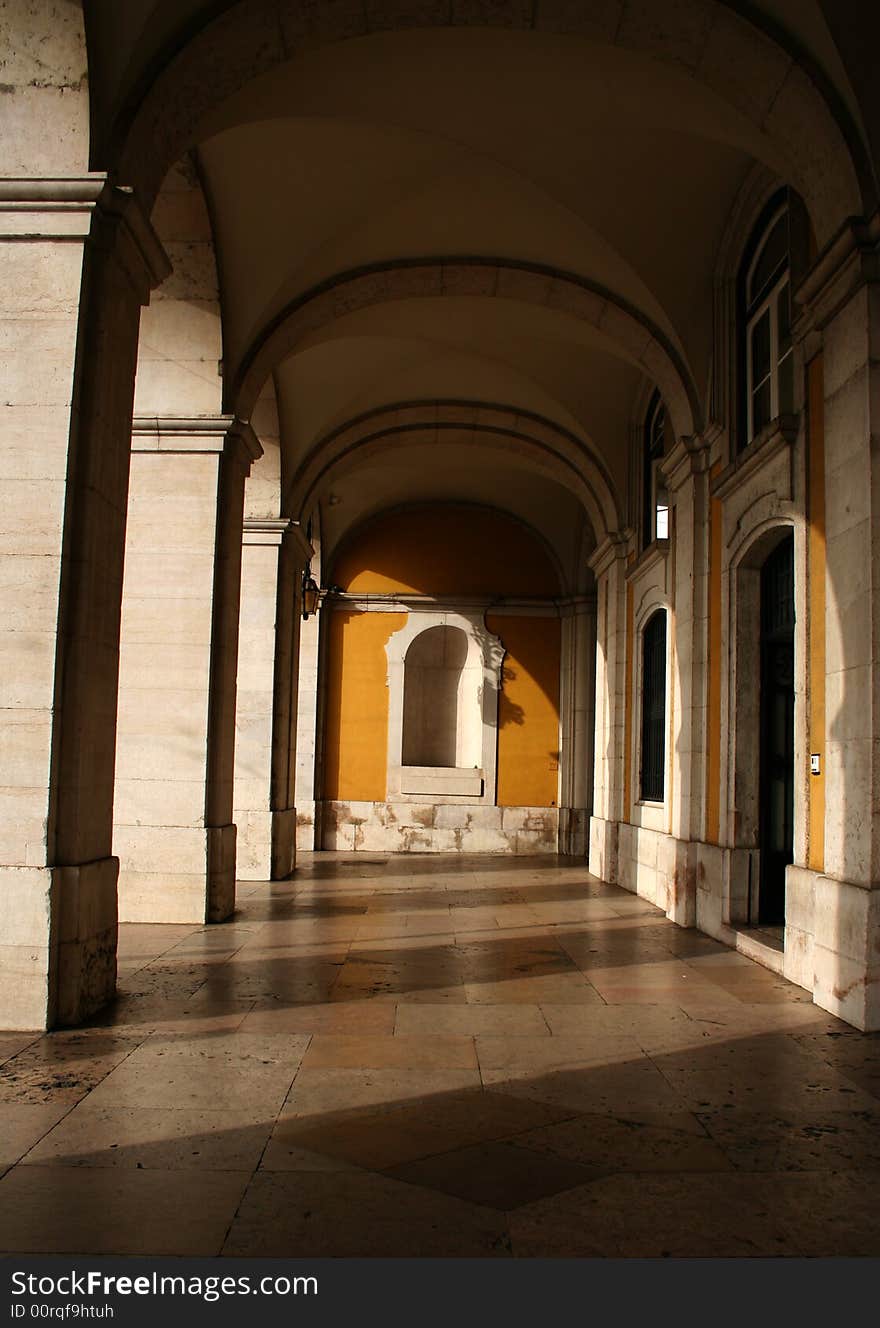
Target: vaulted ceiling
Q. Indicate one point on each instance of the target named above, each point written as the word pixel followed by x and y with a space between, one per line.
pixel 603 169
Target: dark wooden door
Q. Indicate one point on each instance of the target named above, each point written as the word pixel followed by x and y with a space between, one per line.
pixel 777 729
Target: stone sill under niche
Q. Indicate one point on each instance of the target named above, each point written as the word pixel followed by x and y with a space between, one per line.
pixel 440 781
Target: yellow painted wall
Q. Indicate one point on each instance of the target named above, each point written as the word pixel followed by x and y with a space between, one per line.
pixel 356 717
pixel 816 564
pixel 528 711
pixel 713 704
pixel 445 549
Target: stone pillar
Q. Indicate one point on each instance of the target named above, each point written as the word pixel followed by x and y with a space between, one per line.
pixel 842 300
pixel 274 552
pixel 687 478
pixel 78 260
pixel 578 717
pixel 175 751
pixel 609 566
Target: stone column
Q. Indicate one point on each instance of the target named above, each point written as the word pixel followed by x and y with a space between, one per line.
pixel 609 566
pixel 274 552
pixel 842 299
pixel 687 478
pixel 175 752
pixel 578 718
pixel 78 260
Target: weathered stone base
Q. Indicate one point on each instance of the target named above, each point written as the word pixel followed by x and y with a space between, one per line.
pixel 306 836
pixel 26 952
pixel 86 977
pixel 283 856
pixel 603 849
pixel 59 977
pixel 253 845
pixel 574 832
pixel 846 952
pixel 220 903
pixel 660 868
pixel 404 827
pixel 192 876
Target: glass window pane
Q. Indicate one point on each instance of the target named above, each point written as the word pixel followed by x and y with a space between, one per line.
pixel 760 349
pixel 772 257
pixel 662 521
pixel 761 408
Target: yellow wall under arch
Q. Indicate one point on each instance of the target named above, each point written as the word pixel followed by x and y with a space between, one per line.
pixel 443 549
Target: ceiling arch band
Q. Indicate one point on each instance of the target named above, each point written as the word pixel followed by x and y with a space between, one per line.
pixel 629 331
pixel 786 99
pixel 547 446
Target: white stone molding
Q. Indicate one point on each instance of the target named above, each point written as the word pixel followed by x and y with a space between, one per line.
pixel 485 656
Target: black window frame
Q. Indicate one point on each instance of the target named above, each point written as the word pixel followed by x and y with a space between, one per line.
pixel 653 450
pixel 652 753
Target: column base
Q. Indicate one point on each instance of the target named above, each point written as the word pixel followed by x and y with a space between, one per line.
pixel 603 849
pixel 283 832
pixel 846 959
pixel 574 832
pixel 191 874
pixel 58 955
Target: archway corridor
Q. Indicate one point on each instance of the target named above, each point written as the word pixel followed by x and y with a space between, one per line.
pixel 441 1055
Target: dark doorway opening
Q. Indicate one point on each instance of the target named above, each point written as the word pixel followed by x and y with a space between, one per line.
pixel 776 821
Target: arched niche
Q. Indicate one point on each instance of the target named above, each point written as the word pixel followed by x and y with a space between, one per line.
pixel 444 676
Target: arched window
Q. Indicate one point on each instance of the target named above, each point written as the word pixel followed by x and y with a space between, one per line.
pixel 765 351
pixel 655 509
pixel 653 753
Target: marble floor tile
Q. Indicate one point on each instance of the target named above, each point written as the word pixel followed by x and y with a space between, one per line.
pixel 512 1020
pixel 151 1138
pixel 406 1051
pixel 348 1017
pixel 353 1214
pixel 23 1126
pixel 110 1211
pixel 608 1144
pixel 442 1056
pixel 383 1135
pixel 315 1092
pixel 498 1174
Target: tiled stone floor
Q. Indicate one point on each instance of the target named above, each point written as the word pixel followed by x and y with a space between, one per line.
pixel 437 1056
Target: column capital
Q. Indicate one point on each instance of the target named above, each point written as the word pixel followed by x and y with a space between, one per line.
pixel 169 433
pixel 79 208
pixel 242 445
pixel 688 456
pixel 613 547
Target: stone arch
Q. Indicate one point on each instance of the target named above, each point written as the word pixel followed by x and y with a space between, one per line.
pixel 552 448
pixel 786 97
pixel 637 337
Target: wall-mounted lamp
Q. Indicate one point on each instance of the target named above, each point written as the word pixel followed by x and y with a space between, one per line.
pixel 310 594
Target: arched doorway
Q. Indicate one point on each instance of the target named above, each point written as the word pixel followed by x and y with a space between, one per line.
pixel 776 790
